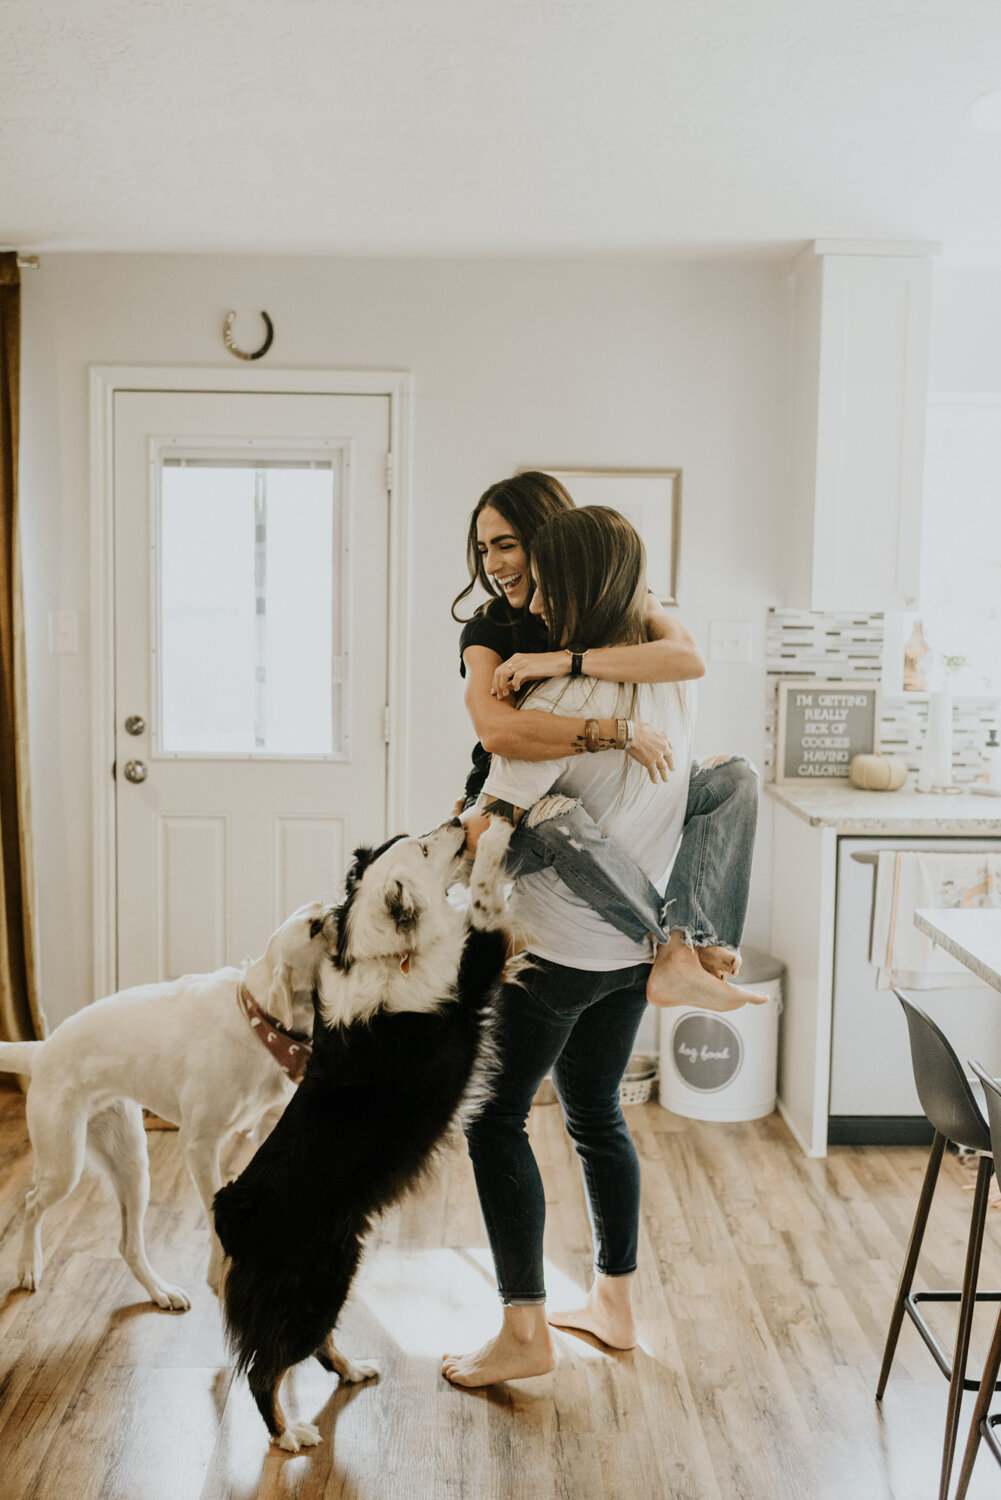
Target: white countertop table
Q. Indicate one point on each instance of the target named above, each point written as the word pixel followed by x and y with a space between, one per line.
pixel 907 812
pixel 971 934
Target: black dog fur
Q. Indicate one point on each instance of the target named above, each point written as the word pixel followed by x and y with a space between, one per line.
pixel 377 1100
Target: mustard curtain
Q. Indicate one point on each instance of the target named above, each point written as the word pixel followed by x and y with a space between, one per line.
pixel 21 1016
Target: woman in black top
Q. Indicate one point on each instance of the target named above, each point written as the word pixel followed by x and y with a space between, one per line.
pixel 699 923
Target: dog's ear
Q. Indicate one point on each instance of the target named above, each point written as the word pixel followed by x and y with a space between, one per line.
pixel 279 1001
pixel 403 907
pixel 360 862
pixel 338 932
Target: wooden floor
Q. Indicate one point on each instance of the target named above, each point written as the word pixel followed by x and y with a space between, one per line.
pixel 764 1290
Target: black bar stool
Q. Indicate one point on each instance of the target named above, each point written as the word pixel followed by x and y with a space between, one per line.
pixel 983 1425
pixel 952 1109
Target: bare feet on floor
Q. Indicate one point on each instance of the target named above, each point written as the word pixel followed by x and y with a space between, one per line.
pixel 608 1313
pixel 678 978
pixel 524 1347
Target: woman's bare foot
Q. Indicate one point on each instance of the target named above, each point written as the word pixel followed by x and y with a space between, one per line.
pixel 523 1347
pixel 608 1313
pixel 722 962
pixel 677 978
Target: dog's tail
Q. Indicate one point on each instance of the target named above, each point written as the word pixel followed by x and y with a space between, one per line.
pixel 269 1315
pixel 18 1057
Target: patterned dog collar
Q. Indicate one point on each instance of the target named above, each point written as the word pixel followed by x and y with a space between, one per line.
pixel 290 1052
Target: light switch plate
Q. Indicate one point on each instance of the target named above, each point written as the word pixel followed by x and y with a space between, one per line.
pixel 729 640
pixel 64 630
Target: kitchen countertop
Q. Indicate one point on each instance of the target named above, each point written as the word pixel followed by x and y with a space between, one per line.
pixel 973 935
pixel 839 805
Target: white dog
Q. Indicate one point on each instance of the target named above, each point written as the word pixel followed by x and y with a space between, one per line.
pixel 195 1051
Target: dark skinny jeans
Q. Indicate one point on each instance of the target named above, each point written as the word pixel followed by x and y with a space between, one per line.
pixel 580 1026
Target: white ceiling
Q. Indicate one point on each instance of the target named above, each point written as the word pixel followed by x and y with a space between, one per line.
pixel 496 126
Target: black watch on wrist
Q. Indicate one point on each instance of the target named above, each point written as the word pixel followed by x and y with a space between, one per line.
pixel 576 662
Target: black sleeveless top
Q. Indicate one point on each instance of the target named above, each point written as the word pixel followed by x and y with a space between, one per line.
pixel 502 630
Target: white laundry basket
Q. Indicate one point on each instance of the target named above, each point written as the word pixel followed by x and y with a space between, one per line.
pixel 723 1066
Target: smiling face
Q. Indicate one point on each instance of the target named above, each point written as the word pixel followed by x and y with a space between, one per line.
pixel 503 555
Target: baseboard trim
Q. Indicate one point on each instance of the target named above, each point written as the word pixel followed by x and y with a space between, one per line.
pixel 879 1130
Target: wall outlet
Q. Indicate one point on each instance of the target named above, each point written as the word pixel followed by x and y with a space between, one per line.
pixel 729 640
pixel 64 630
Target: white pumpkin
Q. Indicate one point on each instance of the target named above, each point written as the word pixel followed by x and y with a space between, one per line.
pixel 877 773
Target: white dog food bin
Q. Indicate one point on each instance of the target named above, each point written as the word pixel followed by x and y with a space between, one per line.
pixel 723 1065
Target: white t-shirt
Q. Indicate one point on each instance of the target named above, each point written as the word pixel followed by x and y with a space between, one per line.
pixel 645 818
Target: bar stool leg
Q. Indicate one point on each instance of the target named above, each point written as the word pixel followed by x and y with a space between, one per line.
pixel 967 1307
pixel 911 1259
pixel 980 1410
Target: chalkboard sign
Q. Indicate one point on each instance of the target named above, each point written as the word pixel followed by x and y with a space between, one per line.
pixel 821 725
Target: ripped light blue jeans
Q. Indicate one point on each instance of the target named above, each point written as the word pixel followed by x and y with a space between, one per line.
pixel 706 896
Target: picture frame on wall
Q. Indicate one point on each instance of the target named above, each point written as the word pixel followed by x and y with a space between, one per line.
pixel 821 725
pixel 650 499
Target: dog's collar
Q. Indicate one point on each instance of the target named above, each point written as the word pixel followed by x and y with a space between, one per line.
pixel 289 1051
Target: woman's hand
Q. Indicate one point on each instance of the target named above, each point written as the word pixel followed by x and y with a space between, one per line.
pixel 652 748
pixel 528 667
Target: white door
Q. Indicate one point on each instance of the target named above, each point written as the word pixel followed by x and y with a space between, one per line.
pixel 251 591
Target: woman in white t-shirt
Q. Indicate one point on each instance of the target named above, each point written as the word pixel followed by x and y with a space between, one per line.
pixel 699 921
pixel 575 1011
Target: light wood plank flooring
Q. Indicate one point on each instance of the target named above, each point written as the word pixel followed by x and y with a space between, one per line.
pixel 764 1291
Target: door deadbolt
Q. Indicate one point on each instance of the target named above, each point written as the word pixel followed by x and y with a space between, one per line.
pixel 135 770
pixel 135 724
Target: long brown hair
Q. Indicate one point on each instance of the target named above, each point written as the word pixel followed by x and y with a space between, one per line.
pixel 526 502
pixel 590 568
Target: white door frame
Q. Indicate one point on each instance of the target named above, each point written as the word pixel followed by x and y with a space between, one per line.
pixel 105 380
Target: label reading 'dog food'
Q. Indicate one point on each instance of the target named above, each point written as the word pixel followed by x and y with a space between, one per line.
pixel 707 1050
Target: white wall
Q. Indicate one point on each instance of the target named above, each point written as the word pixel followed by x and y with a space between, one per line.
pixel 961 523
pixel 965 354
pixel 569 363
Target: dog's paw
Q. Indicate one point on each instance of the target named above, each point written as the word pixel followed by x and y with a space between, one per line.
pixel 170 1298
pixel 494 841
pixel 29 1273
pixel 357 1370
pixel 213 1276
pixel 487 905
pixel 298 1435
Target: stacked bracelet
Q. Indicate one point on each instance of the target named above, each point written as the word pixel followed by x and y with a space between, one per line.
pixel 592 734
pixel 624 733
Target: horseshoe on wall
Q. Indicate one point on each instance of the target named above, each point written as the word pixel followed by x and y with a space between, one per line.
pixel 227 334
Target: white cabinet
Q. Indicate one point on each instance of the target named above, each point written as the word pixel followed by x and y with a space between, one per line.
pixel 861 320
pixel 843 1054
pixel 872 1096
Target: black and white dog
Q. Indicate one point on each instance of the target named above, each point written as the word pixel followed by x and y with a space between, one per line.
pixel 399 1046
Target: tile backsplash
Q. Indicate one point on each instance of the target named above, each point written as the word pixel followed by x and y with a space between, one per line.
pixel 849 648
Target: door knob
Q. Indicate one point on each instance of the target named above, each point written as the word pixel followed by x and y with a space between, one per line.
pixel 135 724
pixel 135 770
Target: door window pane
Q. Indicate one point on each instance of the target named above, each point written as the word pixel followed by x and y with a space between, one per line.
pixel 249 600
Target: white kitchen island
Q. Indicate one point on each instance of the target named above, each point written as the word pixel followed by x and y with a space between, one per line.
pixel 819 832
